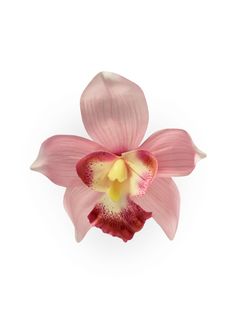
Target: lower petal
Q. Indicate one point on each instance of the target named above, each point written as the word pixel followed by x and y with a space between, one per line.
pixel 120 219
pixel 79 201
pixel 162 200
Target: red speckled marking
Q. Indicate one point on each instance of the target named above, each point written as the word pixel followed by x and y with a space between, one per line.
pixel 124 224
pixel 144 183
pixel 148 160
pixel 84 165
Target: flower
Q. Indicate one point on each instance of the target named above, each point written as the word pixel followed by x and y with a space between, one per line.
pixel 112 182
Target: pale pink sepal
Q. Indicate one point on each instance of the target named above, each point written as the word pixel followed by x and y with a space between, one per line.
pixel 162 200
pixel 175 152
pixel 79 201
pixel 114 112
pixel 59 155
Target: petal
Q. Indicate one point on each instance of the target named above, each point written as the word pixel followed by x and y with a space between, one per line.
pixel 58 156
pixel 175 152
pixel 93 170
pixel 162 200
pixel 79 201
pixel 120 219
pixel 143 168
pixel 114 112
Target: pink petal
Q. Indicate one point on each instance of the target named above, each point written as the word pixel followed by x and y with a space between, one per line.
pixel 59 155
pixel 79 201
pixel 120 219
pixel 162 199
pixel 114 112
pixel 94 168
pixel 175 152
pixel 142 169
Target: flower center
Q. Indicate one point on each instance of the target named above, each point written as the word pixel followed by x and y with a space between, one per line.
pixel 118 171
pixel 117 175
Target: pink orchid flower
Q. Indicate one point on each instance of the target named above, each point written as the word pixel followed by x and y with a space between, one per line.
pixel 112 182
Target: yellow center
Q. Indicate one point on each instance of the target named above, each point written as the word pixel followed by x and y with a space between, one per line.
pixel 117 175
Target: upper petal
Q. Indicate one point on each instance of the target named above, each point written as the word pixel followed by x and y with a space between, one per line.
pixel 162 200
pixel 114 112
pixel 79 201
pixel 59 155
pixel 175 152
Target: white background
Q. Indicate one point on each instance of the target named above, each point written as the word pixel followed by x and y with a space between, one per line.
pixel 183 55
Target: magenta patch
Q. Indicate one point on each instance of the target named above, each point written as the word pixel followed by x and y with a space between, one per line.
pixel 84 165
pixel 147 158
pixel 123 224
